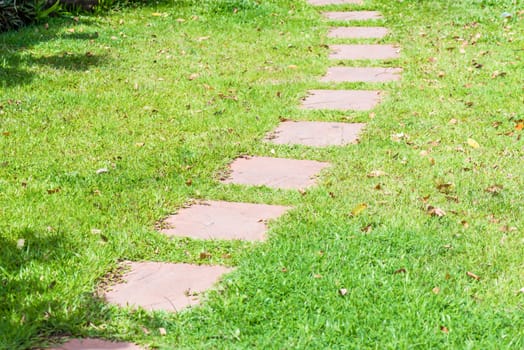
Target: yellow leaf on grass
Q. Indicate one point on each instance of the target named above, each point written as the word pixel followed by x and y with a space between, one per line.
pixel 359 209
pixel 472 143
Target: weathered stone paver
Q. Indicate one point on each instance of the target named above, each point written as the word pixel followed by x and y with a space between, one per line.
pixel 363 52
pixel 95 344
pixel 357 100
pixel 164 286
pixel 352 15
pixel 316 134
pixel 361 74
pixel 357 32
pixel 334 2
pixel 275 172
pixel 223 220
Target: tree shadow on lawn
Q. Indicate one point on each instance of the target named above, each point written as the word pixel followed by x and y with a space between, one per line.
pixel 32 308
pixel 14 60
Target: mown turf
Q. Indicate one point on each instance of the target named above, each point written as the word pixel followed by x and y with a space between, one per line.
pixel 165 96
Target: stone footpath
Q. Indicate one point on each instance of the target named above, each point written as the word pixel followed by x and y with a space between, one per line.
pixel 174 286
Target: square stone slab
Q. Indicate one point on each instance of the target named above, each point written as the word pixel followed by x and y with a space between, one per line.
pixel 352 15
pixel 275 172
pixel 95 344
pixel 361 74
pixel 357 32
pixel 363 52
pixel 164 286
pixel 357 100
pixel 223 220
pixel 334 2
pixel 316 133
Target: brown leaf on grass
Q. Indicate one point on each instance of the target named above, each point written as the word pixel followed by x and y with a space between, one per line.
pixel 367 228
pixel 434 211
pixel 473 144
pixel 445 187
pixel 376 173
pixel 507 228
pixel 53 190
pixel 472 275
pixel 494 189
pixel 519 125
pixel 497 74
pixel 358 209
pixel 464 224
pixel 401 270
pixel 492 219
pixel 205 256
pixel 444 329
pixel 453 199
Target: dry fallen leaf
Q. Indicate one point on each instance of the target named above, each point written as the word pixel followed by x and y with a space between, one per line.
pixel 367 228
pixel 434 211
pixel 473 144
pixel 205 255
pixel 402 270
pixel 494 189
pixel 376 173
pixel 343 291
pixel 359 209
pixel 472 275
pixel 445 187
pixel 444 329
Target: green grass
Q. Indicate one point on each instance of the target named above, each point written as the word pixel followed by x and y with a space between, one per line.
pixel 118 92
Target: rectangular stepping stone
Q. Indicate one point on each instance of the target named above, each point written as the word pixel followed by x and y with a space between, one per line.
pixel 363 52
pixel 223 220
pixel 334 2
pixel 357 100
pixel 352 15
pixel 164 286
pixel 357 32
pixel 316 133
pixel 275 172
pixel 95 344
pixel 361 74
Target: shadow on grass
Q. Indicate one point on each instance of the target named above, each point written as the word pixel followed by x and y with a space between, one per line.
pixel 32 307
pixel 16 65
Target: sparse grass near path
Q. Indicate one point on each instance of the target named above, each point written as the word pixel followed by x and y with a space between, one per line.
pixel 165 97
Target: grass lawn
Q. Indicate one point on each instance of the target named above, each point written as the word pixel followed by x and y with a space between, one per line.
pixel 165 96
